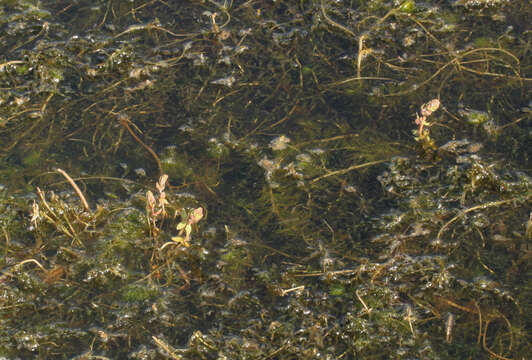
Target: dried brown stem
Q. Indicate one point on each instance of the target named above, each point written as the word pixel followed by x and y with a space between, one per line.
pixel 76 189
pixel 124 122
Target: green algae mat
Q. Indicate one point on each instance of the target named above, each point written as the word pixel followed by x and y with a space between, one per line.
pixel 292 179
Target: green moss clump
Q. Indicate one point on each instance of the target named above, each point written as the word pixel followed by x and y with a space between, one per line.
pixel 138 293
pixel 337 290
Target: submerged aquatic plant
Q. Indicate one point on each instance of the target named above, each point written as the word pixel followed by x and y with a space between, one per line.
pixel 422 133
pixel 188 219
pixel 336 265
pixel 156 206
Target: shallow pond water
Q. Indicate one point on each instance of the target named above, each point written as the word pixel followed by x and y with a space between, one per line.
pixel 265 180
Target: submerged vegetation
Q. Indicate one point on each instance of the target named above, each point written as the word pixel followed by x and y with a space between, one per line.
pixel 294 214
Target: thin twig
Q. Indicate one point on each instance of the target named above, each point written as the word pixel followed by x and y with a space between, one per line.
pixel 479 337
pixel 478 207
pixel 124 122
pixel 185 277
pixel 167 348
pixel 76 189
pixel 334 138
pixel 7 273
pixel 351 168
pixel 41 196
pixel 457 60
pixel 287 291
pixel 485 346
pixel 334 23
pixel 32 261
pixel 368 309
pixel 13 62
pixel 56 220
